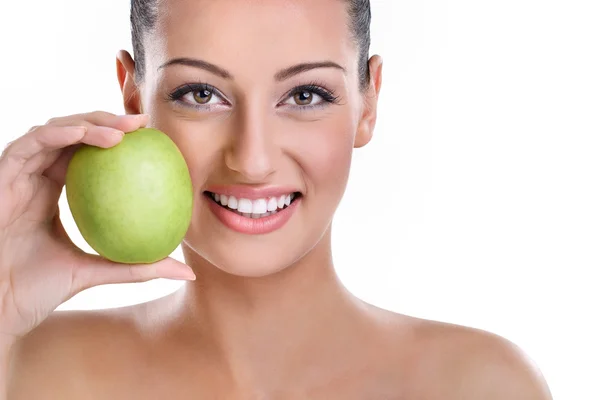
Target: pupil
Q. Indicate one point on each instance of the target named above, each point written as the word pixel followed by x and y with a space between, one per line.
pixel 304 98
pixel 202 96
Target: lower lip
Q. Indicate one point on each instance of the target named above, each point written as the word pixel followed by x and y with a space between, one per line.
pixel 252 226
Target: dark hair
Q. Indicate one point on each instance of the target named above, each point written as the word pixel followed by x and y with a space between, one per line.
pixel 144 14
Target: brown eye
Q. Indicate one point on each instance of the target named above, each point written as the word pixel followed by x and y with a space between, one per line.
pixel 202 96
pixel 303 98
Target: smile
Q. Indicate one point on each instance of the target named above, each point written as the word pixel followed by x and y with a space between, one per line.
pixel 257 208
pixel 253 216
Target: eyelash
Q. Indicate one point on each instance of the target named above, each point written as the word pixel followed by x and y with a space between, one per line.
pixel 328 96
pixel 181 91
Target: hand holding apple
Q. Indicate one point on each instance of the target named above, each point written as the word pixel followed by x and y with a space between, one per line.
pixel 40 268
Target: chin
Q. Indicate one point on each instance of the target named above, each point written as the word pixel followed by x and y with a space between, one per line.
pixel 212 244
pixel 250 268
pixel 244 260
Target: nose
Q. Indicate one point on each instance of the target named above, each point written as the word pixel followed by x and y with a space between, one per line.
pixel 252 150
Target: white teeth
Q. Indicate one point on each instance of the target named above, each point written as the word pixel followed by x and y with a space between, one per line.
pixel 244 206
pixel 232 203
pixel 254 208
pixel 281 201
pixel 223 200
pixel 259 206
pixel 272 205
pixel 256 215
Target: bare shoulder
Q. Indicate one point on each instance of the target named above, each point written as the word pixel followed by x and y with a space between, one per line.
pixel 66 348
pixel 475 364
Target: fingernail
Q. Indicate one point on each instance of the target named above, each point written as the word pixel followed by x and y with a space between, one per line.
pixel 185 275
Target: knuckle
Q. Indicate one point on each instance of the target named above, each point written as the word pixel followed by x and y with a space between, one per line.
pixel 79 280
pixel 98 114
pixel 52 121
pixel 8 153
pixel 74 281
pixel 15 158
pixel 5 149
pixel 139 273
pixel 10 149
pixel 134 273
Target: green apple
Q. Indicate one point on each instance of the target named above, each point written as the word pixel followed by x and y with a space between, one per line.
pixel 132 202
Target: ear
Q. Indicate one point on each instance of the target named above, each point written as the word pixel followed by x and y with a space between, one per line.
pixel 366 125
pixel 126 75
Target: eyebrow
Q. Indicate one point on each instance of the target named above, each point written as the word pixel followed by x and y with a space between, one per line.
pixel 282 75
pixel 205 65
pixel 299 68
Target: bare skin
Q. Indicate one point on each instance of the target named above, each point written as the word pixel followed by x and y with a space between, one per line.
pixel 266 316
pixel 146 351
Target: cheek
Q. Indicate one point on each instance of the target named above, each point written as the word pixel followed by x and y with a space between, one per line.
pixel 199 142
pixel 323 150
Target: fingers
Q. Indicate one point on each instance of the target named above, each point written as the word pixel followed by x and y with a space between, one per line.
pixel 95 135
pixel 40 138
pixel 123 123
pixel 42 145
pixel 95 271
pixel 56 165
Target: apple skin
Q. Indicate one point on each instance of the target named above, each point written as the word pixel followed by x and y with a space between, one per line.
pixel 132 202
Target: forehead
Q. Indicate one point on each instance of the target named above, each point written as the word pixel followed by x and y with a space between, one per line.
pixel 273 33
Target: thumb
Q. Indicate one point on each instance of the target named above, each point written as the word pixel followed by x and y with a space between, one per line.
pixel 96 270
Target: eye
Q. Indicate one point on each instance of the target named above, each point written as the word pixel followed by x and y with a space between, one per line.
pixel 309 96
pixel 202 97
pixel 304 98
pixel 198 95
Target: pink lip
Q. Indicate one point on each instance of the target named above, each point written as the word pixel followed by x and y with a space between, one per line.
pixel 252 226
pixel 251 193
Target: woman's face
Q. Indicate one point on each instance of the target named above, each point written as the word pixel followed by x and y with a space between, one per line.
pixel 266 106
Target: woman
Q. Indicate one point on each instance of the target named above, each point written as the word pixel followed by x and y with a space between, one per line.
pixel 266 101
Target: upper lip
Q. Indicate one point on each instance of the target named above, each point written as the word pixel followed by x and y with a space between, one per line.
pixel 251 192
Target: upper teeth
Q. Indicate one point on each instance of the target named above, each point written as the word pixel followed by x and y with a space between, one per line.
pixel 257 206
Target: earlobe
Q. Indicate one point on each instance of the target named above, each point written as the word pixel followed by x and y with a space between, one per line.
pixel 126 77
pixel 366 124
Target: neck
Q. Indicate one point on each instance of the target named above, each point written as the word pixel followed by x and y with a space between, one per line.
pixel 259 328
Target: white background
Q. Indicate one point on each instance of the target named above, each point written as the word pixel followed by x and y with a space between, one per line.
pixel 478 200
